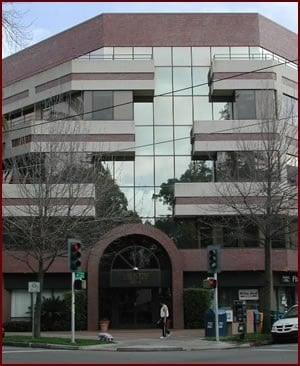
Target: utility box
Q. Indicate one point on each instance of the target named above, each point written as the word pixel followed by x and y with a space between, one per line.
pixel 210 328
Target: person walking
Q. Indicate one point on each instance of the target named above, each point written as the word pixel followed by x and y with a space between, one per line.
pixel 164 314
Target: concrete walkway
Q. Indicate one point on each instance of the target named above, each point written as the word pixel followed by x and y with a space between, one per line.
pixel 148 340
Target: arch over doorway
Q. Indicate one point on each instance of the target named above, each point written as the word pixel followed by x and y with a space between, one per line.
pixel 123 231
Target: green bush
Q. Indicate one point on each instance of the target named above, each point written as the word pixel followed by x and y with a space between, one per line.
pixel 18 326
pixel 80 311
pixel 54 314
pixel 196 302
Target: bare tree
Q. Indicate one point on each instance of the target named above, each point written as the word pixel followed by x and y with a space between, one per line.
pixel 16 33
pixel 257 186
pixel 62 193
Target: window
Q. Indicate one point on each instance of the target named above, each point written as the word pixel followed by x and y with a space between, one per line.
pixel 289 109
pixel 101 100
pixel 162 56
pixel 200 76
pixel 244 105
pixel 182 80
pixel 163 80
pixel 181 56
pixel 222 111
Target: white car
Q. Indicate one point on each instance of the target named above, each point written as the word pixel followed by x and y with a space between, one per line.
pixel 287 326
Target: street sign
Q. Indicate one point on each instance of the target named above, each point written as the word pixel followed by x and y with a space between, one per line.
pixel 33 287
pixel 248 294
pixel 79 275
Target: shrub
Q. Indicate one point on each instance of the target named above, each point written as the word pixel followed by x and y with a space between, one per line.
pixel 196 302
pixel 53 316
pixel 18 326
pixel 80 311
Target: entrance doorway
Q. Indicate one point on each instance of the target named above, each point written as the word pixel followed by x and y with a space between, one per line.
pixel 135 274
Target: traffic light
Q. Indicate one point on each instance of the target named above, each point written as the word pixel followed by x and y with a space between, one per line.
pixel 209 283
pixel 74 251
pixel 213 260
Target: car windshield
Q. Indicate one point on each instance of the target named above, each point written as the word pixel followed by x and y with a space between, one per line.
pixel 291 313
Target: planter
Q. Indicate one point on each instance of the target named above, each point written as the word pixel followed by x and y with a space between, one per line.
pixel 104 325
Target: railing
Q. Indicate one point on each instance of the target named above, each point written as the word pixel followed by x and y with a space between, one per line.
pixel 124 56
pixel 254 56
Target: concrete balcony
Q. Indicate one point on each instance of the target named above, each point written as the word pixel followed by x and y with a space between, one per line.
pixel 218 198
pixel 223 69
pixel 105 138
pixel 29 200
pixel 209 137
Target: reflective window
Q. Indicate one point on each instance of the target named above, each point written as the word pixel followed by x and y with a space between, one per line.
pixel 202 109
pixel 239 52
pixel 182 80
pixel 267 55
pixel 265 104
pixel 161 209
pixel 101 100
pixel 143 113
pixel 144 136
pixel 142 52
pixel 181 165
pixel 144 202
pixel 162 56
pixel 123 173
pixel 244 105
pixel 221 52
pixel 144 171
pixel 200 76
pixel 123 52
pixel 129 194
pixel 201 56
pixel 163 80
pixel 183 110
pixel 164 169
pixel 255 52
pixel 183 145
pixel 222 110
pixel 289 109
pixel 181 56
pixel 162 134
pixel 163 111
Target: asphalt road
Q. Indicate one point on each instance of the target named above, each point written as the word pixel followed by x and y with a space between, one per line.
pixel 274 354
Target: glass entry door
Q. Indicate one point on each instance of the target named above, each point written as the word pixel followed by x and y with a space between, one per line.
pixel 135 307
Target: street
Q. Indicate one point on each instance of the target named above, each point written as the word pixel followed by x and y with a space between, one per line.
pixel 272 354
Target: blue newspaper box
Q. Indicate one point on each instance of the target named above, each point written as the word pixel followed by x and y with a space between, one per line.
pixel 210 329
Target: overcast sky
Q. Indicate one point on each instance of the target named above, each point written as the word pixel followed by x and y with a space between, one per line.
pixel 47 19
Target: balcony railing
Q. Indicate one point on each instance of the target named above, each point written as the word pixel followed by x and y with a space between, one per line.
pixel 254 56
pixel 124 56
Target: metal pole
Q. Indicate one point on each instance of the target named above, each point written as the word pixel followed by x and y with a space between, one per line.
pixel 73 309
pixel 216 308
pixel 32 311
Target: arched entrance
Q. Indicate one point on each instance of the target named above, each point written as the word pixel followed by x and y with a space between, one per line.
pixel 134 274
pixel 128 271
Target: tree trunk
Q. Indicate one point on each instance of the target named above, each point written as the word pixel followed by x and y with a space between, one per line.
pixel 268 290
pixel 38 306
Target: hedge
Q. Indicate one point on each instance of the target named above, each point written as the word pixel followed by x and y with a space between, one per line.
pixel 196 302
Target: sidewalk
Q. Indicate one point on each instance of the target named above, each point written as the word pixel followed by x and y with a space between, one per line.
pixel 149 340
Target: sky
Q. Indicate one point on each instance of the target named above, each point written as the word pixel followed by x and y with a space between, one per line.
pixel 45 19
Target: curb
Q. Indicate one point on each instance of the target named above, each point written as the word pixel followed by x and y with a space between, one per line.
pixel 152 349
pixel 260 343
pixel 40 345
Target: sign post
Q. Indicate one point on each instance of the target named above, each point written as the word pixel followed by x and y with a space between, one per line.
pixel 216 307
pixel 214 267
pixel 33 288
pixel 73 309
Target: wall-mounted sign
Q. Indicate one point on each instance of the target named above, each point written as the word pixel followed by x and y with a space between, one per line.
pixel 140 278
pixel 33 287
pixel 289 279
pixel 248 294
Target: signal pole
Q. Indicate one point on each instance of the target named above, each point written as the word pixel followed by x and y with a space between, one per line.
pixel 216 307
pixel 73 309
